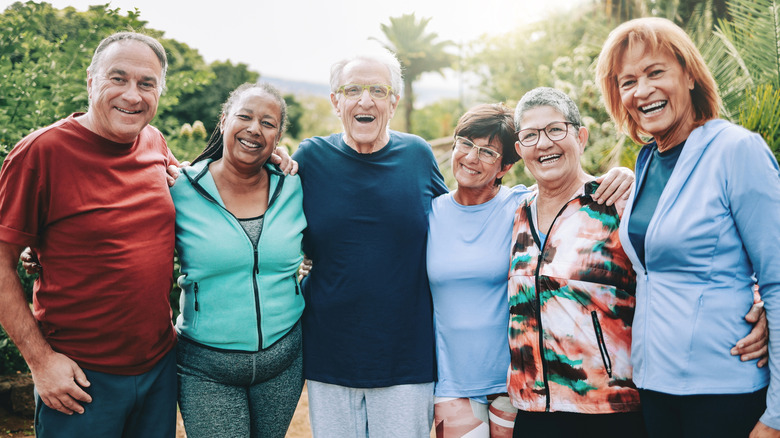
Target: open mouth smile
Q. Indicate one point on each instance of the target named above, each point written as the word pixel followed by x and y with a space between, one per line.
pixel 122 110
pixel 549 158
pixel 469 171
pixel 365 118
pixel 654 107
pixel 250 144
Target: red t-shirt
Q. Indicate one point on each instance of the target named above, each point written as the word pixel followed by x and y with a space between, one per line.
pixel 100 216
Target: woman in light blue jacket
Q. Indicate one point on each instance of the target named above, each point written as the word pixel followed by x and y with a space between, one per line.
pixel 239 224
pixel 701 229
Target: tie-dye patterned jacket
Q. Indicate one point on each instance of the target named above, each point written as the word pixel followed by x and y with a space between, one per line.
pixel 571 307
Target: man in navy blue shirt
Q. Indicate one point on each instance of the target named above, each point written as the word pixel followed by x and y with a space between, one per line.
pixel 368 334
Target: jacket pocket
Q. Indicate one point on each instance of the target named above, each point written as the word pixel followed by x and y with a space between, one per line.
pixel 602 345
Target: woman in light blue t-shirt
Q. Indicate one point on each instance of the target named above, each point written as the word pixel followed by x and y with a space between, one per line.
pixel 468 262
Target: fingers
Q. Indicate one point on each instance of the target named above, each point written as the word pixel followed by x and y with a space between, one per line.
pixel 604 181
pixel 30 262
pixel 762 363
pixel 755 344
pixel 173 173
pixel 621 192
pixel 67 402
pixel 755 313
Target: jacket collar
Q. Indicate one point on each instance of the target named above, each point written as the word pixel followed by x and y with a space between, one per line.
pixel 202 181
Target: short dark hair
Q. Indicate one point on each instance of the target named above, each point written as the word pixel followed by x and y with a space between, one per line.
pixel 491 120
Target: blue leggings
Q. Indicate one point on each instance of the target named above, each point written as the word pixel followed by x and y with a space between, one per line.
pixel 237 394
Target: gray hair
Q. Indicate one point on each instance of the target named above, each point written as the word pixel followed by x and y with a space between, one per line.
pixel 545 96
pixel 152 43
pixel 383 57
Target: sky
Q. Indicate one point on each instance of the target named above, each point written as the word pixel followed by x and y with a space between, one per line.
pixel 299 40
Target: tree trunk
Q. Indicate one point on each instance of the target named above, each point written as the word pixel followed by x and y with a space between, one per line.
pixel 408 104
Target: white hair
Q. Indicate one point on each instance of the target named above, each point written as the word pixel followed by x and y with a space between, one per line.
pixel 383 57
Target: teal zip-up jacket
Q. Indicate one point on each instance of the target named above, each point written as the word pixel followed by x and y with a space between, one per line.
pixel 236 297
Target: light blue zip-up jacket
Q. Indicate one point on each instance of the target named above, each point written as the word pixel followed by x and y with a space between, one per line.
pixel 716 224
pixel 233 297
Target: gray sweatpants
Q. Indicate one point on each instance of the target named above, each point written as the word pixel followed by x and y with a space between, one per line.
pixel 403 411
pixel 235 394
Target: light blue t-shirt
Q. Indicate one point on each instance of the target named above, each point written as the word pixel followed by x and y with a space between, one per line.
pixel 468 266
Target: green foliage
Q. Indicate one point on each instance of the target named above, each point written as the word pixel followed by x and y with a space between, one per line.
pixel 744 57
pixel 11 360
pixel 44 53
pixel 204 102
pixel 294 116
pixel 437 119
pixel 418 51
pixel 512 64
pixel 317 117
pixel 188 142
pixel 760 113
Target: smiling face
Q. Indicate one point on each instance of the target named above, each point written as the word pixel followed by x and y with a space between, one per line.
pixel 552 163
pixel 251 129
pixel 124 91
pixel 473 173
pixel 365 120
pixel 656 93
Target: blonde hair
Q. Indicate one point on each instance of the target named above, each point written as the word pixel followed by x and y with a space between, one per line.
pixel 657 35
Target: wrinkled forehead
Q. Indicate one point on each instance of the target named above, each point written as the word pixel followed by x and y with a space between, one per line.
pixel 129 53
pixel 365 71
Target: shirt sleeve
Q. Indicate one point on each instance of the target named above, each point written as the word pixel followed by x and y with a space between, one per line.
pixel 753 190
pixel 437 180
pixel 21 190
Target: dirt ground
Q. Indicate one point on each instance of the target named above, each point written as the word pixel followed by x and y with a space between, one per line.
pixel 12 426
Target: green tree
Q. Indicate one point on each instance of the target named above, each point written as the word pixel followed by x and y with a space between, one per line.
pixel 205 103
pixel 418 51
pixel 744 57
pixel 44 54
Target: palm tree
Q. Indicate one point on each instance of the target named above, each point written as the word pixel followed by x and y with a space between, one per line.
pixel 418 51
pixel 744 57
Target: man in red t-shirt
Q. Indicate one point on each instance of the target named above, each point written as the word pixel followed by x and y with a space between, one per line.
pixel 89 194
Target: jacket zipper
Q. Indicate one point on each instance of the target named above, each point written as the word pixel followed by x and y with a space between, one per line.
pixel 256 264
pixel 534 233
pixel 197 306
pixel 602 344
pixel 297 286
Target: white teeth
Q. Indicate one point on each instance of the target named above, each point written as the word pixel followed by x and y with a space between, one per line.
pixel 653 107
pixel 126 111
pixel 469 171
pixel 364 118
pixel 250 144
pixel 549 158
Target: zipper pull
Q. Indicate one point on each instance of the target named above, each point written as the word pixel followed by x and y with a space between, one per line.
pixel 196 297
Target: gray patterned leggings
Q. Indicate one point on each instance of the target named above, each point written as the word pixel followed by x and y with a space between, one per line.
pixel 236 394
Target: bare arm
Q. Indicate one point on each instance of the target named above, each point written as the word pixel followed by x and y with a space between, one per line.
pixel 56 377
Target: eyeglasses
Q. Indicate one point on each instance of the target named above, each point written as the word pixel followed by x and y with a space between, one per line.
pixel 554 131
pixel 486 155
pixel 376 91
